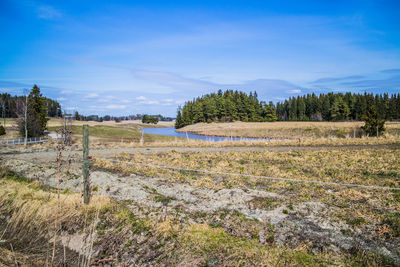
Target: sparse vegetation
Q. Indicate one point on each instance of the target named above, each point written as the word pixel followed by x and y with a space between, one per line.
pixel 171 225
pixel 28 218
pixel 287 130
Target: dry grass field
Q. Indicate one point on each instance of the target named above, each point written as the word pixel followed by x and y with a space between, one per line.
pixel 285 130
pixel 110 231
pixel 145 215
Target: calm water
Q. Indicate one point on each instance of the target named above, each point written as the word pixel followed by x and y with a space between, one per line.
pixel 170 131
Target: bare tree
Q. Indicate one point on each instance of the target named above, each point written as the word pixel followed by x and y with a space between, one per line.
pixel 3 110
pixel 26 117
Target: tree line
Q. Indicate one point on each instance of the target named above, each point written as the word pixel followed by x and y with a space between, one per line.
pixel 80 117
pixel 33 111
pixel 238 106
pixel 12 106
pixel 150 119
pixel 338 107
pixel 225 106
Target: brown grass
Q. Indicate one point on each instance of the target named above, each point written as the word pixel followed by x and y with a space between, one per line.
pixel 29 211
pixel 285 130
pixel 379 167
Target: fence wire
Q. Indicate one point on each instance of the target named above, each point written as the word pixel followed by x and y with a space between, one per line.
pixel 256 176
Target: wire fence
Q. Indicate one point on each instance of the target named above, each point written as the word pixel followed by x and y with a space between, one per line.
pixel 256 176
pixel 21 141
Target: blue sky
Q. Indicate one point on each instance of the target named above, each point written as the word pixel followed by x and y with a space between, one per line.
pixel 128 57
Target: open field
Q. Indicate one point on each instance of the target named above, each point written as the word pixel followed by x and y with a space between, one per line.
pixel 12 122
pixel 110 230
pixel 58 122
pixel 285 130
pixel 208 218
pixel 108 131
pixel 145 215
pixel 116 133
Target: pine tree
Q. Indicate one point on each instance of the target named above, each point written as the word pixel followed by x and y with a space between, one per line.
pixel 235 105
pixel 373 125
pixel 269 113
pixel 37 114
pixel 340 110
pixel 178 121
pixel 2 130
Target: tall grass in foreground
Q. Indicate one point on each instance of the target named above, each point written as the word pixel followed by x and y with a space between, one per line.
pixel 29 218
pixel 28 211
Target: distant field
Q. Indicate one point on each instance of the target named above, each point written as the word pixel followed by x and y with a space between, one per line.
pixel 116 133
pixel 58 122
pixel 128 131
pixel 285 129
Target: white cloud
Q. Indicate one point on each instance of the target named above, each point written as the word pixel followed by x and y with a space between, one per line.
pixel 71 108
pixel 115 107
pixel 150 102
pixel 141 98
pixel 169 100
pixel 92 95
pixel 294 91
pixel 66 92
pixel 61 99
pixel 125 101
pixel 47 12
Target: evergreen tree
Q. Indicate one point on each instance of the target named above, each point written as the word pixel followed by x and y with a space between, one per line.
pixel 269 113
pixel 77 116
pixel 2 130
pixel 179 121
pixel 36 114
pixel 340 110
pixel 235 105
pixel 373 126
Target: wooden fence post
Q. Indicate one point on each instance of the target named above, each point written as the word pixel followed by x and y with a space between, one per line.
pixel 85 167
pixel 142 137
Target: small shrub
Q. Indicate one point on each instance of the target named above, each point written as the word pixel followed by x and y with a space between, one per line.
pixel 393 221
pixel 373 126
pixel 2 130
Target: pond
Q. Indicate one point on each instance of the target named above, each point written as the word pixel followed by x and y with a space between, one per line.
pixel 170 131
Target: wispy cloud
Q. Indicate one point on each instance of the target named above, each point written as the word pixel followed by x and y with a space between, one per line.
pixel 181 84
pixel 390 71
pixel 295 91
pixel 170 79
pixel 91 95
pixel 47 12
pixel 61 99
pixel 391 82
pixel 336 79
pixel 12 84
pixel 115 107
pixel 71 108
pixel 141 98
pixel 150 102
